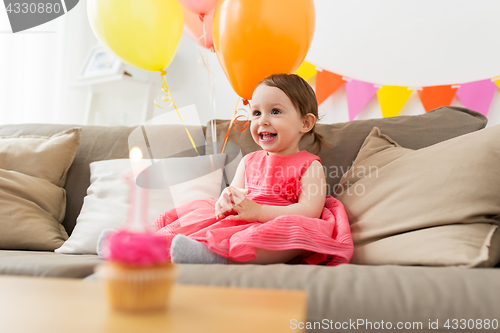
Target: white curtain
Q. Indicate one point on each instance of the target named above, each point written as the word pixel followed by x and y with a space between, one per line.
pixel 31 72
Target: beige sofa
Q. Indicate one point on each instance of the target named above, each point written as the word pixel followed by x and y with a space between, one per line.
pixel 355 293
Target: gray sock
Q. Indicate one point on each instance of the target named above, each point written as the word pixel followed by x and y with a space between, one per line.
pixel 101 242
pixel 185 250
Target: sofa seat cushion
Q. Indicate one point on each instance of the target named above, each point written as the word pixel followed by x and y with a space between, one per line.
pixel 47 264
pixel 372 293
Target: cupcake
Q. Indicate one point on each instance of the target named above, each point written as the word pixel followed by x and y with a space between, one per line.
pixel 138 273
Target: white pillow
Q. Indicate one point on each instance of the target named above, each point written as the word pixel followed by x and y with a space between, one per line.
pixel 106 203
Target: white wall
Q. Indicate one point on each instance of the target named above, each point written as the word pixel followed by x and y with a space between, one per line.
pixel 408 43
pixel 30 72
pixel 188 80
pixel 78 39
pixel 188 83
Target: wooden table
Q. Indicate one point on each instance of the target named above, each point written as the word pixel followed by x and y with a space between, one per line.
pixel 65 305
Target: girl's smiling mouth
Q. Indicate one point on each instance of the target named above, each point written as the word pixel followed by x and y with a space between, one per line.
pixel 267 136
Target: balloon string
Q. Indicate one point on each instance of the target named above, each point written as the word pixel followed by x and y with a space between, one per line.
pixel 168 97
pixel 204 30
pixel 234 119
pixel 204 36
pixel 211 83
pixel 205 63
pixel 230 125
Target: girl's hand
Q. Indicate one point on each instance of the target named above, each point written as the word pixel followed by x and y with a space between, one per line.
pixel 245 209
pixel 224 206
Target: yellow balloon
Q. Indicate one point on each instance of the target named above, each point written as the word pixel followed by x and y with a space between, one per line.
pixel 143 33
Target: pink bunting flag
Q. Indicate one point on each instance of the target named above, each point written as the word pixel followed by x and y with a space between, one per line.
pixel 358 93
pixel 477 95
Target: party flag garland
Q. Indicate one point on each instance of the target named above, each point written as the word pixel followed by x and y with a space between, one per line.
pixel 476 95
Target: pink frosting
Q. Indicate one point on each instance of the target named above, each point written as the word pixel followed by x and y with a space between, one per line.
pixel 137 249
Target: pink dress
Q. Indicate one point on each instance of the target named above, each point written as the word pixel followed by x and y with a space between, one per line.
pixel 273 180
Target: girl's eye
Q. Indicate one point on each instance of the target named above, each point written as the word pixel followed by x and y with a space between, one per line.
pixel 275 111
pixel 256 113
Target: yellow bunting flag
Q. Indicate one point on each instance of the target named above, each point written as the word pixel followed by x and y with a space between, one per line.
pixel 306 70
pixel 392 99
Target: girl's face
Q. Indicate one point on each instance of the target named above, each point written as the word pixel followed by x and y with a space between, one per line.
pixel 276 125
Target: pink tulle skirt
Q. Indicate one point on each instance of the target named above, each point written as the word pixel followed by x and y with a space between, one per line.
pixel 327 240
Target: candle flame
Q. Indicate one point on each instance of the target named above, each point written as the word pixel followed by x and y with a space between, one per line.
pixel 135 154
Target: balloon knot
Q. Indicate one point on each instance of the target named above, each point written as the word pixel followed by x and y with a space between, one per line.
pixel 202 17
pixel 163 72
pixel 245 101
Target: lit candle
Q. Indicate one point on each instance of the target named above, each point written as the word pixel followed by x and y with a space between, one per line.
pixel 137 217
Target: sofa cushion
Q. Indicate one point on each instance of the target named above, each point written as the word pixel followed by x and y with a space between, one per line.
pixel 47 264
pixel 438 205
pixel 31 211
pixel 32 205
pixel 104 143
pixel 345 139
pixel 371 293
pixel 44 157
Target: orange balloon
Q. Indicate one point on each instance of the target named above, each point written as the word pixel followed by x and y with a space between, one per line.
pixel 256 38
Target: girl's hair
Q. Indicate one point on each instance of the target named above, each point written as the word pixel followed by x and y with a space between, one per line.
pixel 302 96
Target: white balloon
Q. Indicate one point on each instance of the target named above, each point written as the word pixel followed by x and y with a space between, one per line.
pixel 408 43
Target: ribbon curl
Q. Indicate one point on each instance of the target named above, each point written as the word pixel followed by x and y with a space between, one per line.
pixel 168 97
pixel 234 119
